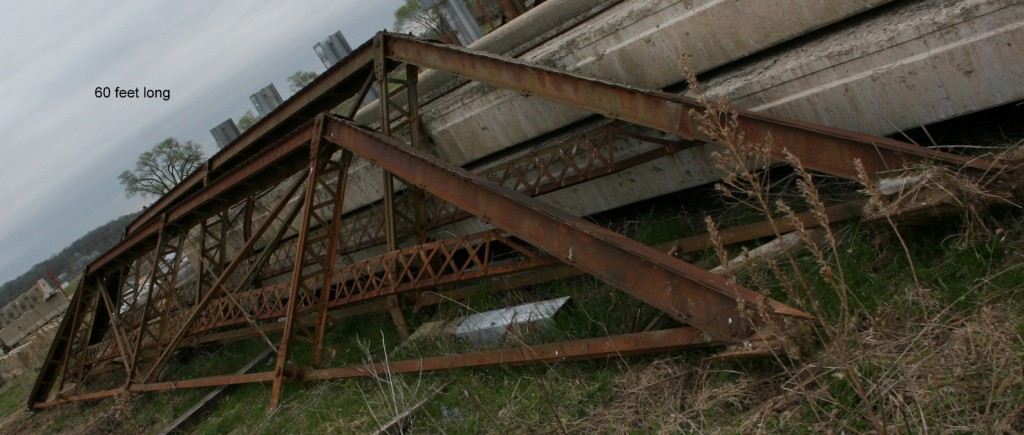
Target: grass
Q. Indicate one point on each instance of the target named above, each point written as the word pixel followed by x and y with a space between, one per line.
pixel 945 354
pixel 918 328
pixel 70 289
pixel 13 394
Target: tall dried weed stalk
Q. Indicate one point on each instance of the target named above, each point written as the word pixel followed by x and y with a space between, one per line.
pixel 900 396
pixel 744 161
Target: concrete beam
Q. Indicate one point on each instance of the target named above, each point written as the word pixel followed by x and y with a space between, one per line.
pixel 916 64
pixel 636 42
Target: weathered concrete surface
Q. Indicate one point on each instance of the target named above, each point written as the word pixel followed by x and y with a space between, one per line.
pixel 29 311
pixel 477 120
pixel 847 75
pixel 916 64
pixel 30 353
pixel 638 43
pixel 535 26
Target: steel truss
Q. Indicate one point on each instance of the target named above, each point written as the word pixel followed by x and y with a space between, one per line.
pixel 265 224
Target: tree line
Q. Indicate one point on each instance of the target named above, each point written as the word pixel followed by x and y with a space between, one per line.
pixel 71 260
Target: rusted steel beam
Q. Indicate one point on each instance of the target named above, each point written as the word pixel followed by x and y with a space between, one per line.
pixel 604 347
pixel 585 157
pixel 686 292
pixel 219 285
pixel 77 398
pixel 429 265
pixel 270 167
pixel 406 270
pixel 335 200
pixel 821 148
pixel 301 287
pixel 372 307
pixel 60 349
pixel 209 381
pixel 338 83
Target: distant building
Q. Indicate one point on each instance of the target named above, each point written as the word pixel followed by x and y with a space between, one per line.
pixel 29 312
pixel 225 132
pixel 266 100
pixel 332 50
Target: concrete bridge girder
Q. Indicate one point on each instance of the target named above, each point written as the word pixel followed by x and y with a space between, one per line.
pixel 478 120
pixel 917 64
pixel 638 43
pixel 631 41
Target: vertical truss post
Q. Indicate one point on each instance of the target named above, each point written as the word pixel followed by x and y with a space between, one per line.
pixel 391 232
pixel 250 204
pixel 390 226
pixel 380 72
pixel 221 282
pixel 213 236
pixel 115 324
pixel 406 117
pixel 75 328
pixel 335 199
pixel 137 346
pixel 299 280
pixel 166 285
pixel 416 139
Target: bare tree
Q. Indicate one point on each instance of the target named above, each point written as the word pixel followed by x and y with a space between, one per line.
pixel 161 168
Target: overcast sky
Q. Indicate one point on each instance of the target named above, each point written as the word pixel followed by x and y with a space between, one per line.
pixel 62 148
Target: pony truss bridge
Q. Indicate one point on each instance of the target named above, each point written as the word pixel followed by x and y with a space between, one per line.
pixel 283 232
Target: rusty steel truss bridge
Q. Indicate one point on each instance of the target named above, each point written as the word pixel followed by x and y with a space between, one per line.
pixel 285 181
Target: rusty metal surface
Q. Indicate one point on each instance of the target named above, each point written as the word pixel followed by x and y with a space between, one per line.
pixel 613 346
pixel 603 347
pixel 670 112
pixel 132 312
pixel 269 167
pixel 689 294
pixel 582 158
pixel 341 81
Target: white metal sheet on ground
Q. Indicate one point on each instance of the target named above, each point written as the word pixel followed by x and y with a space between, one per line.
pixel 491 326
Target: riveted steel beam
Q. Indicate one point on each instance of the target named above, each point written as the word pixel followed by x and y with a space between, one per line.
pixel 613 346
pixel 689 294
pixel 279 147
pixel 821 148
